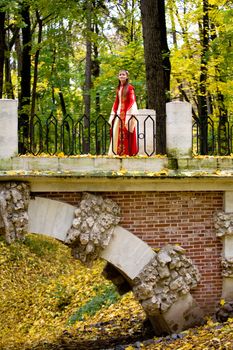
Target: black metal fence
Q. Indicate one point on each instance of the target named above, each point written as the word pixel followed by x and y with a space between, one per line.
pixel 218 140
pixel 54 135
pixel 71 136
pixel 77 136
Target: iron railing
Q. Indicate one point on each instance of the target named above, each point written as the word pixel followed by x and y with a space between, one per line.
pixel 219 137
pixel 71 136
pixel 77 136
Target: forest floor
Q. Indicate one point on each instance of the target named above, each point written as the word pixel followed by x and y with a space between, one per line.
pixel 49 301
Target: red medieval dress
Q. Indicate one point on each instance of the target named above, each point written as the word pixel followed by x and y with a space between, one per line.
pixel 124 123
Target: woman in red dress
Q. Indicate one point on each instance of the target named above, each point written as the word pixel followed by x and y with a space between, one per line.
pixel 123 119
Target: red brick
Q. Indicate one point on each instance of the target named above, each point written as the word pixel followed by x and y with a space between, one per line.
pixel 160 218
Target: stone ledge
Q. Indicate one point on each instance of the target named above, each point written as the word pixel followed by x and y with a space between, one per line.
pixel 103 173
pixel 117 166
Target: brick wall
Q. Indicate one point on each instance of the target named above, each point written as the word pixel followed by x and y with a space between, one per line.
pixel 173 217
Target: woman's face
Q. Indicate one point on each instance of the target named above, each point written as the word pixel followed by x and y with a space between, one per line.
pixel 122 76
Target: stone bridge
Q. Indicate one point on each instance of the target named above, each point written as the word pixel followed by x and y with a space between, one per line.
pixel 160 280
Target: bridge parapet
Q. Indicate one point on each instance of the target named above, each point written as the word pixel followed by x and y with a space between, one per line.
pixel 179 133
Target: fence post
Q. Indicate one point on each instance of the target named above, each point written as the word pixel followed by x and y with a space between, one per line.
pixel 179 129
pixel 8 128
pixel 146 131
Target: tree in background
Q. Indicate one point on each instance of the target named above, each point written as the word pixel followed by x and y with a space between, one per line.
pixel 157 64
pixel 25 73
pixel 44 61
pixel 2 47
pixel 201 54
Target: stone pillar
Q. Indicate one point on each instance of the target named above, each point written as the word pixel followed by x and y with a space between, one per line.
pixel 146 131
pixel 179 129
pixel 224 227
pixel 8 128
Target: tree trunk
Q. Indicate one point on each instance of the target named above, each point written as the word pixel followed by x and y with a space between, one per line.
pixel 202 97
pixel 18 49
pixel 87 84
pixel 25 85
pixel 164 47
pixel 2 50
pixel 63 105
pixel 156 81
pixel 8 81
pixel 170 6
pixel 96 70
pixel 36 62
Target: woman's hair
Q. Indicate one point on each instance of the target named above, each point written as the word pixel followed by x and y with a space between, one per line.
pixel 126 83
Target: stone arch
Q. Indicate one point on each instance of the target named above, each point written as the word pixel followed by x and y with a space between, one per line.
pixel 161 281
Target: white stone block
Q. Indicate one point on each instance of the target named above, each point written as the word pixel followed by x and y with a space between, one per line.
pixel 179 129
pixel 8 128
pixel 144 164
pixel 228 201
pixel 228 246
pixel 227 288
pixel 50 217
pixel 127 252
pixel 146 131
pixel 183 314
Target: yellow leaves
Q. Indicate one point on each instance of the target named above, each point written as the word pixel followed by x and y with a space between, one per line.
pixel 15 172
pixel 212 157
pixel 41 286
pixel 61 154
pixel 156 250
pixel 222 302
pixel 210 322
pixel 121 172
pixel 162 172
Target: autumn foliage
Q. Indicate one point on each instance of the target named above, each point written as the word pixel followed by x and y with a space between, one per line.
pixel 48 300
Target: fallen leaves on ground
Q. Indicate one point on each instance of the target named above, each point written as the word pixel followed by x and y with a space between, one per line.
pixel 50 301
pixel 42 287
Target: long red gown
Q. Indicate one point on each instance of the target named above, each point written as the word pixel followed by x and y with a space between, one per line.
pixel 124 124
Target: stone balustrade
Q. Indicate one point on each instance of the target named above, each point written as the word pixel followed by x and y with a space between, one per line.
pixel 178 129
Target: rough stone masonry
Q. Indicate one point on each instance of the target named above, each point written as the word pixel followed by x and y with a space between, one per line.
pixel 164 281
pixel 168 276
pixel 92 227
pixel 14 200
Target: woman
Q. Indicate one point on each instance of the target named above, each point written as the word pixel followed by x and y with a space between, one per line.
pixel 123 119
